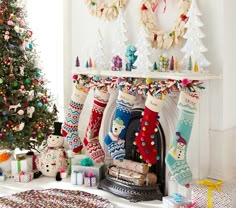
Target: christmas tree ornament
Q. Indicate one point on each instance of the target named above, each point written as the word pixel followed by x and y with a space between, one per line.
pixel 91 140
pixel 114 140
pixel 145 137
pixel 176 157
pixel 143 53
pixel 159 38
pixel 117 63
pixel 155 68
pixel 194 47
pixel 131 56
pixel 77 62
pixel 106 11
pixel 70 125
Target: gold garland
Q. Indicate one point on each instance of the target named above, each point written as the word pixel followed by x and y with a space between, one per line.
pixel 105 11
pixel 159 38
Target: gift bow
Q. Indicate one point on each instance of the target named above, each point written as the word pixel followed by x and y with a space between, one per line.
pixel 177 197
pixel 22 173
pixel 191 205
pixel 211 186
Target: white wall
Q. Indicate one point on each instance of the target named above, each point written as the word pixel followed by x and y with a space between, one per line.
pixel 219 101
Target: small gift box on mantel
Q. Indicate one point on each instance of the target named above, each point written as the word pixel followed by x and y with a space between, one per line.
pixel 63 173
pixel 90 180
pixel 77 177
pixel 177 201
pixel 24 177
pixel 209 193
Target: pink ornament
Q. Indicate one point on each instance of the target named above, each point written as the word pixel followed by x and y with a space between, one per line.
pixel 20 112
pixel 75 76
pixel 9 22
pixel 21 23
pixel 185 81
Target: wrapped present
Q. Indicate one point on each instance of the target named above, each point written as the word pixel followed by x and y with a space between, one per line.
pixel 213 193
pixel 21 165
pixel 2 177
pixel 34 157
pixel 177 201
pixel 97 169
pixel 24 177
pixel 77 177
pixel 75 160
pixel 63 173
pixel 90 180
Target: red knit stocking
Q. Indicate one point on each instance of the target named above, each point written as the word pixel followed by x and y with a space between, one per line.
pixel 145 137
pixel 91 140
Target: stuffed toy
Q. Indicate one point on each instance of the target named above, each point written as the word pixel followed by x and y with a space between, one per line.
pixel 53 158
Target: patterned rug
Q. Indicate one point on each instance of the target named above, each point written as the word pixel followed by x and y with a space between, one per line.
pixel 54 198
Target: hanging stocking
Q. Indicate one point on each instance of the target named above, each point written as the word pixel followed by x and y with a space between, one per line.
pixel 115 138
pixel 91 140
pixel 70 125
pixel 176 156
pixel 145 137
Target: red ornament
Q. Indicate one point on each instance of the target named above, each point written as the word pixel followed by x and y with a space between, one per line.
pixel 144 7
pixel 183 17
pixel 25 105
pixel 7 61
pixel 101 10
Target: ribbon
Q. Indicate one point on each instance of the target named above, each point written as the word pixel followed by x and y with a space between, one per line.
pixel 191 205
pixel 211 187
pixel 177 197
pixel 18 166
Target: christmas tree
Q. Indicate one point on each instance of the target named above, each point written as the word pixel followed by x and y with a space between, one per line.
pixel 100 60
pixel 143 51
pixel 26 117
pixel 120 38
pixel 194 47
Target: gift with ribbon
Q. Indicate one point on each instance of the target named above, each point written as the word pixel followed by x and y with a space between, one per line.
pixel 77 177
pixel 2 176
pixel 176 201
pixel 24 177
pixel 24 164
pixel 90 180
pixel 63 173
pixel 214 194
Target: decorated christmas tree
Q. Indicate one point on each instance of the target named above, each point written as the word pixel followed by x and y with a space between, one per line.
pixel 26 108
pixel 194 47
pixel 100 60
pixel 119 38
pixel 143 51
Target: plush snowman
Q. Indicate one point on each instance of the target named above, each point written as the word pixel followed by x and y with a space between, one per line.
pixel 53 158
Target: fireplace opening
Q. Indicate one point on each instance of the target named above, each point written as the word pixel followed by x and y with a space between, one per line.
pixel 133 192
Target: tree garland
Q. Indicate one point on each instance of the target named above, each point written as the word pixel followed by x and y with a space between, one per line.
pixel 159 38
pixel 105 11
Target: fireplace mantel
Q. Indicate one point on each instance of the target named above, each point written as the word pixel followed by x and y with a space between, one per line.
pixel 148 74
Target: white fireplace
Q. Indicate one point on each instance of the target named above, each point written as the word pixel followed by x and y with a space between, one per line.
pixel 198 156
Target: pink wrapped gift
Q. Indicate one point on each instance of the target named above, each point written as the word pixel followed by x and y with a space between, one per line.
pixel 90 180
pixel 24 177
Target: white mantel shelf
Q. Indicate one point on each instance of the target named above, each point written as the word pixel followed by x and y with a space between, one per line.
pixel 154 75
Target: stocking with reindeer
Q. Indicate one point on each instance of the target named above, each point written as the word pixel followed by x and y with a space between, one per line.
pixel 91 140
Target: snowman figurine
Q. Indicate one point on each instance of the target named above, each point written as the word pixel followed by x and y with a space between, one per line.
pixel 53 158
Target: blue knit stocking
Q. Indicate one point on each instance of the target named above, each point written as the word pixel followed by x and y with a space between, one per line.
pixel 176 156
pixel 115 138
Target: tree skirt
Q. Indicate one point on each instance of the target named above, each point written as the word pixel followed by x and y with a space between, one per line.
pixel 50 198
